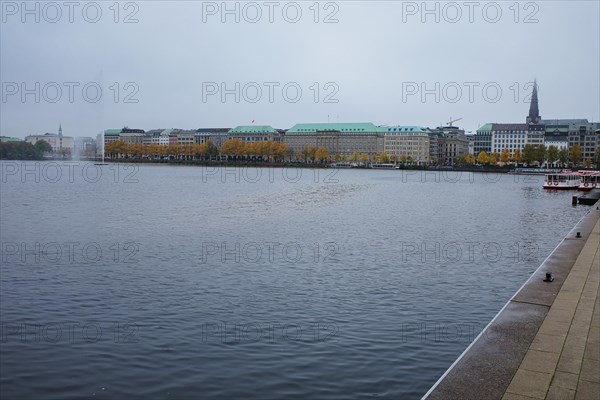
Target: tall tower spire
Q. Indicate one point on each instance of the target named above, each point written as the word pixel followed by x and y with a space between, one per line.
pixel 59 129
pixel 534 111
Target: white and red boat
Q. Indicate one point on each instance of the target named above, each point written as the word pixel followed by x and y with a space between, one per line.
pixel 589 181
pixel 563 180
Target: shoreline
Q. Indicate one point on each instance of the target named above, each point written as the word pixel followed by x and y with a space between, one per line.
pixel 486 368
pixel 266 164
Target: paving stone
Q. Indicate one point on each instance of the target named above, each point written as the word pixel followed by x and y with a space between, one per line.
pixel 592 350
pixel 590 371
pixel 559 315
pixel 530 383
pixel 560 393
pixel 574 349
pixel 554 328
pixel 571 365
pixel 587 390
pixel 549 343
pixel 565 380
pixel 512 396
pixel 540 361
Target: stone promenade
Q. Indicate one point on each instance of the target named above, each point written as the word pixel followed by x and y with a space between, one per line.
pixel 545 343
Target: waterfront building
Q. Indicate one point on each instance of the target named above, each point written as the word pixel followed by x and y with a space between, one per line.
pixel 55 141
pixel 514 136
pixel 111 135
pixel 409 142
pixel 456 145
pixel 58 142
pixel 575 132
pixel 482 140
pixel 562 133
pixel 163 137
pixel 173 137
pixel 338 138
pixel 254 133
pixel 447 145
pixel 131 137
pixel 127 135
pixel 216 135
pixel 436 142
pixel 156 136
pixel 185 137
pixel 151 137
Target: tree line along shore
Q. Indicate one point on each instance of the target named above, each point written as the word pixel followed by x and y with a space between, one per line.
pixel 274 152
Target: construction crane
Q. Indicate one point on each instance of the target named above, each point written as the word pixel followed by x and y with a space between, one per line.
pixel 449 123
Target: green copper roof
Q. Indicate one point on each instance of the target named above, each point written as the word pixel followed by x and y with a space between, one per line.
pixel 243 129
pixel 350 127
pixel 112 131
pixel 486 127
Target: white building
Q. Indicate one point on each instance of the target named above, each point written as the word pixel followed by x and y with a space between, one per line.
pixel 514 136
pixel 57 142
pixel 157 136
pixel 558 143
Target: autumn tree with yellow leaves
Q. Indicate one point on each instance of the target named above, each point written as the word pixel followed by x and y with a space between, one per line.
pixel 270 150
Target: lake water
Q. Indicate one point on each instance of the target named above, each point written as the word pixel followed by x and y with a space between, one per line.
pixel 177 282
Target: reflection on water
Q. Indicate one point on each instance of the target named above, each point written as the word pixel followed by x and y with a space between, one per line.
pixel 196 281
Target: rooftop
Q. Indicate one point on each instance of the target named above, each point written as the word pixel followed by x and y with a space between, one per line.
pixel 486 127
pixel 564 121
pixel 510 127
pixel 348 127
pixel 213 130
pixel 243 129
pixel 407 129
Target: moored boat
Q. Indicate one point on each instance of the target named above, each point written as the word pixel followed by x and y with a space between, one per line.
pixel 589 181
pixel 563 180
pixel 343 165
pixel 383 166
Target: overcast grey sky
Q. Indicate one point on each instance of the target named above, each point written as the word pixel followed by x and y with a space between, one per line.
pixel 164 64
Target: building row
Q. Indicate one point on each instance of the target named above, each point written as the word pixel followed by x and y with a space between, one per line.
pixel 561 133
pixel 443 145
pixel 418 144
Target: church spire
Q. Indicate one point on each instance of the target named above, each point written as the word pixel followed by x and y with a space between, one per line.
pixel 59 129
pixel 534 112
